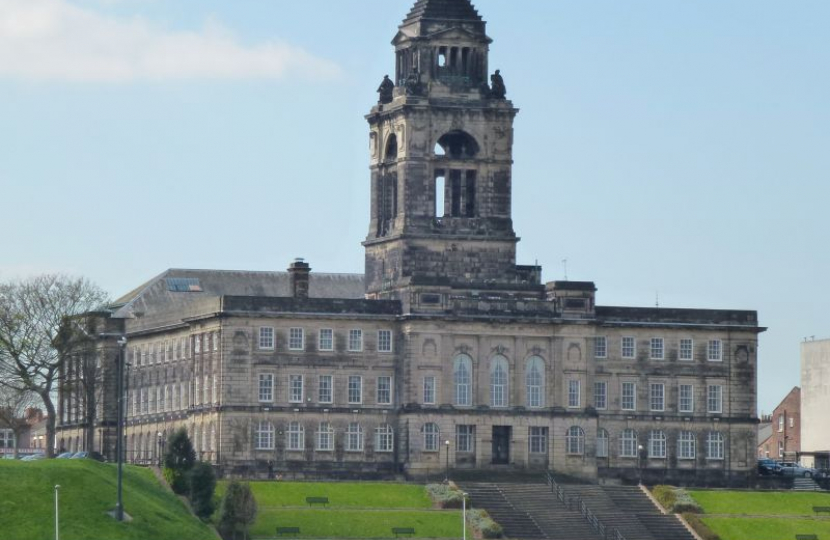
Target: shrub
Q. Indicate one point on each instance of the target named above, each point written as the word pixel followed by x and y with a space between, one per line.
pixel 481 521
pixel 202 486
pixel 179 455
pixel 685 503
pixel 665 496
pixel 237 509
pixel 445 496
pixel 676 500
pixel 700 528
pixel 177 480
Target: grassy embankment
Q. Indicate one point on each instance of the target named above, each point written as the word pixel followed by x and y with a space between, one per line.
pixel 743 515
pixel 87 493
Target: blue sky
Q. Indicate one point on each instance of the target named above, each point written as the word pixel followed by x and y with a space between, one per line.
pixel 677 149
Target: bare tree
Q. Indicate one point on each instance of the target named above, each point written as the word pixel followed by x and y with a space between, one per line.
pixel 35 337
pixel 13 405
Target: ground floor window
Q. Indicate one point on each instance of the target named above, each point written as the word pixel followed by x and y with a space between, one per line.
pixel 384 438
pixel 296 436
pixel 6 438
pixel 264 436
pixel 431 437
pixel 325 437
pixel 628 443
pixel 354 438
pixel 686 445
pixel 465 439
pixel 714 445
pixel 538 440
pixel 575 441
pixel 602 443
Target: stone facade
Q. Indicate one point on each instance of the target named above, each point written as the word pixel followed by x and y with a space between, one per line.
pixel 446 353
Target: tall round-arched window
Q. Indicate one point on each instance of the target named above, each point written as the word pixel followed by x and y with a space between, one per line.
pixel 657 445
pixel 535 382
pixel 498 382
pixel 628 443
pixel 463 379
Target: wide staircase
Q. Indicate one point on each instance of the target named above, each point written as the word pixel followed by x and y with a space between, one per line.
pixel 531 510
pixel 556 520
pixel 515 521
pixel 805 484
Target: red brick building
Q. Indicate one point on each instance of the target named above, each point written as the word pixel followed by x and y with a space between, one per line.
pixel 784 442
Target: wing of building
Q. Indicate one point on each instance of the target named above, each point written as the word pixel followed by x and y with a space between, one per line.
pixel 446 352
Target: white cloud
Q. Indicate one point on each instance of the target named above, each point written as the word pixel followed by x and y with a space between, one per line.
pixel 56 40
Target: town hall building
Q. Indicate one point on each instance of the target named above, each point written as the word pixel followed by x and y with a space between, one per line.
pixel 445 348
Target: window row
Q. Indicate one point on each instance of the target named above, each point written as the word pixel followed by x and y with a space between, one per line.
pixel 174 397
pixel 325 340
pixel 657 348
pixel 654 447
pixel 171 350
pixel 657 397
pixel 534 382
pixel 324 437
pixel 325 389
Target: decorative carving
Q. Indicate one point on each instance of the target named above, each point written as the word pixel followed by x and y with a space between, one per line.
pixel 500 349
pixel 429 349
pixel 574 353
pixel 386 90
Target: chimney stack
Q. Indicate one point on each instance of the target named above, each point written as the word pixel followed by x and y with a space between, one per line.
pixel 299 272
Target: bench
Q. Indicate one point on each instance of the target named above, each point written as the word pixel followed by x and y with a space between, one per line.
pixel 287 530
pixel 821 509
pixel 317 500
pixel 399 531
pixel 806 537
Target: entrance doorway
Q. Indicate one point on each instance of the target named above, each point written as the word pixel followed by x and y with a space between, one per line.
pixel 501 445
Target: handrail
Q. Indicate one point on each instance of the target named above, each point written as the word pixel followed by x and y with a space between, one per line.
pixel 583 509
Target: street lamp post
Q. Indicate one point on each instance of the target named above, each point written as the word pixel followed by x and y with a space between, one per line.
pixel 57 528
pixel 161 448
pixel 463 516
pixel 640 464
pixel 447 469
pixel 119 428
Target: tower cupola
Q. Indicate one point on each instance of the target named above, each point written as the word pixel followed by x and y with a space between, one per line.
pixel 443 41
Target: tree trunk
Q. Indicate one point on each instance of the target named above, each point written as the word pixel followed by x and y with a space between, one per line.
pixel 50 423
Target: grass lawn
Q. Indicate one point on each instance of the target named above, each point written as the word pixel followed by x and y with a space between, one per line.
pixel 773 503
pixel 356 510
pixel 355 495
pixel 359 523
pixel 766 529
pixel 87 493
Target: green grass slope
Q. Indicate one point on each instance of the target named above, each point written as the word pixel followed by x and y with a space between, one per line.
pixel 88 491
pixel 758 503
pixel 356 510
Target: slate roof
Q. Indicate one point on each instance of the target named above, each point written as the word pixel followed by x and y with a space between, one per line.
pixel 216 283
pixel 455 10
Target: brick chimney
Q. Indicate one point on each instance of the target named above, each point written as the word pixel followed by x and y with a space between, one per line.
pixel 299 273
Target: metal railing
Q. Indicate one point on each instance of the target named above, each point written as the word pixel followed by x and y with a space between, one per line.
pixel 576 503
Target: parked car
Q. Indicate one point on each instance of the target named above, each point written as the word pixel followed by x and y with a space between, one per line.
pixel 88 455
pixel 33 457
pixel 65 455
pixel 768 467
pixel 789 468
